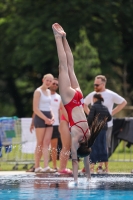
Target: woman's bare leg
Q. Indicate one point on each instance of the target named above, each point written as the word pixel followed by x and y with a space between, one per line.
pixel 92 167
pixel 64 81
pixel 66 144
pixel 70 64
pixel 106 167
pixel 54 144
pixel 46 143
pixel 38 151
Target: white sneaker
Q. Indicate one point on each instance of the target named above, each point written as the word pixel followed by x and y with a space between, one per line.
pixel 48 170
pixel 38 169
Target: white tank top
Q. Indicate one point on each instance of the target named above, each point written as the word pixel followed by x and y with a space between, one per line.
pixel 45 101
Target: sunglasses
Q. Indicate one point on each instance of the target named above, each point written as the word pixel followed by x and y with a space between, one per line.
pixel 55 84
pixel 97 85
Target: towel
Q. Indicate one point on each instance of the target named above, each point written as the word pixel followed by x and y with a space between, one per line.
pixel 126 133
pixel 28 138
pixel 118 126
pixel 7 132
pixel 0 148
pixel 7 124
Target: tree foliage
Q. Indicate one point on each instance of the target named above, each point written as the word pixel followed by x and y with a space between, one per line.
pixel 86 63
pixel 28 51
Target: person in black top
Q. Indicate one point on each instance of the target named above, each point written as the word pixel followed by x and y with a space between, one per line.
pixel 99 148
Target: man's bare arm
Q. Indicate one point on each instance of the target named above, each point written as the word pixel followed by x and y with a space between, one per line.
pixel 86 109
pixel 119 107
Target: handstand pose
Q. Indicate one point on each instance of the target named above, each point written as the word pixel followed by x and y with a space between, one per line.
pixel 72 98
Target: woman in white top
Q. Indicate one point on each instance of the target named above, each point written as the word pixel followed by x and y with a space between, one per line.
pixel 43 121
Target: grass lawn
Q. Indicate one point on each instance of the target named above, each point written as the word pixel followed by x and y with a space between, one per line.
pixel 121 160
pixel 114 167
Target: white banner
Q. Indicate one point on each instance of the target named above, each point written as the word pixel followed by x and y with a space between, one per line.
pixel 28 138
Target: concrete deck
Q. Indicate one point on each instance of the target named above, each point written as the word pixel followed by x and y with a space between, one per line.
pixel 14 172
pixel 45 174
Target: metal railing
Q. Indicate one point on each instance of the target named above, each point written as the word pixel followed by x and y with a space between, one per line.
pixel 15 155
pixel 11 147
pixel 122 153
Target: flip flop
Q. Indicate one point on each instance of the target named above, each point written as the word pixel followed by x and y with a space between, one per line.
pixel 31 170
pixel 65 171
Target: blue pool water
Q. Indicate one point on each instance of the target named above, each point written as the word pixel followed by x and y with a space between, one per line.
pixel 51 187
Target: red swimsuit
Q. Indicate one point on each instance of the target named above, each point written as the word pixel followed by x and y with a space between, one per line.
pixel 76 101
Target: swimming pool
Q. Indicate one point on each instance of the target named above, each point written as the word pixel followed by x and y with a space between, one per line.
pixel 53 187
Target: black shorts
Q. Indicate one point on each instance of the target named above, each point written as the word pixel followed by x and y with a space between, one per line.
pixel 39 122
pixel 56 133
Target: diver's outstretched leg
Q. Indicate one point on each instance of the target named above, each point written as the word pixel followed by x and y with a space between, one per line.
pixel 64 81
pixel 58 33
pixel 70 64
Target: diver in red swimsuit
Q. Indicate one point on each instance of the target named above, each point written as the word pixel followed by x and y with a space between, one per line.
pixel 72 99
pixel 76 101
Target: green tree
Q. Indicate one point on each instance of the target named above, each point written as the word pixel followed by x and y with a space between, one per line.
pixel 86 63
pixel 27 46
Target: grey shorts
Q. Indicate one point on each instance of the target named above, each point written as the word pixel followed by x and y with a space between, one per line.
pixel 39 122
pixel 56 133
pixel 108 136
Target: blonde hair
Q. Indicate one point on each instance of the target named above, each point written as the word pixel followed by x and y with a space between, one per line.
pixel 48 75
pixel 103 78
